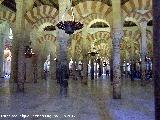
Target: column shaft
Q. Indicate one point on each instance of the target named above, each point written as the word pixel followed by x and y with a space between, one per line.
pixel 85 61
pixel 132 60
pixel 85 66
pixel 35 67
pixel 52 66
pixel 41 60
pixel 63 64
pixel 1 55
pixel 116 68
pixel 74 69
pixel 29 70
pixel 143 25
pixel 92 68
pixel 111 67
pixel 117 36
pixel 19 52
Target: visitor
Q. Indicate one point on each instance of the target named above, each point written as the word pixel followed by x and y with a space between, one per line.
pixel 107 69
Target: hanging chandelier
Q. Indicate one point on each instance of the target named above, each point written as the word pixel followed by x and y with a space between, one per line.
pixel 70 26
pixel 94 52
pixel 28 51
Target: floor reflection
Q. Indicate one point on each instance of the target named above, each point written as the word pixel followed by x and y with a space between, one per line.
pixel 63 91
pixel 86 102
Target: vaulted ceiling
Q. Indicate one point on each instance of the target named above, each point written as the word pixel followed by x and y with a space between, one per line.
pixel 12 5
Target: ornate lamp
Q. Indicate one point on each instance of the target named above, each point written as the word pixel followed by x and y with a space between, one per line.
pixel 28 51
pixel 70 26
pixel 93 53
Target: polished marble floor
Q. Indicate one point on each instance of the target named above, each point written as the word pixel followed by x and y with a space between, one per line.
pixel 81 102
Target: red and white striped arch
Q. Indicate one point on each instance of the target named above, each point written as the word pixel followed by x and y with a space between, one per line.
pixel 133 5
pixel 8 16
pixel 77 36
pixel 130 8
pixel 99 35
pixel 40 14
pixel 83 9
pixel 47 37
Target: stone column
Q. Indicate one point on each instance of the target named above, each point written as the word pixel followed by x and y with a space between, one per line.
pixel 1 55
pixel 116 65
pixel 28 61
pixel 40 65
pixel 156 56
pixel 35 67
pixel 20 40
pixel 111 67
pixel 74 69
pixel 143 27
pixel 73 44
pixel 126 60
pixel 28 70
pixel 53 66
pixel 14 62
pixel 100 71
pixel 92 68
pixel 132 58
pixel 117 36
pixel 95 69
pixel 63 43
pixel 85 66
pixel 85 60
pixel 63 64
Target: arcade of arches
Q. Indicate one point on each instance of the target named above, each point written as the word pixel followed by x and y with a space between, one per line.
pixel 102 71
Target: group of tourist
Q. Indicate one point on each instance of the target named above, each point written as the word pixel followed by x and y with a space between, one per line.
pixel 134 71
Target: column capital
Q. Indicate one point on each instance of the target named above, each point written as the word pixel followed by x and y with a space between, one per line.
pixel 143 24
pixel 118 34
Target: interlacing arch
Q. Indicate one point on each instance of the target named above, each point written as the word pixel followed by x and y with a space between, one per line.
pixel 77 36
pixel 88 19
pixel 148 15
pixel 94 20
pixel 149 36
pixel 134 15
pixel 99 35
pixel 133 5
pixel 86 8
pixel 137 36
pixel 8 16
pixel 127 33
pixel 42 21
pixel 134 36
pixel 40 12
pixel 137 17
pixel 47 37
